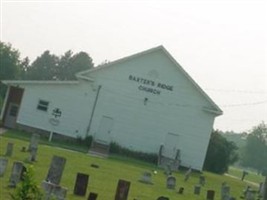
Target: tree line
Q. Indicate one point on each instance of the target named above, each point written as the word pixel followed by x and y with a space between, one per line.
pixel 223 153
pixel 220 154
pixel 47 66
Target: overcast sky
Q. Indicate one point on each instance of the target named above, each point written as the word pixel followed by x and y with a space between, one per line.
pixel 221 44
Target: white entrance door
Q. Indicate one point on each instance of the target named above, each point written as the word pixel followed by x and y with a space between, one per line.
pixel 171 145
pixel 104 130
pixel 11 116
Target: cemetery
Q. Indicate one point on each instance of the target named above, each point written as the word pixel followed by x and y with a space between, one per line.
pixel 66 174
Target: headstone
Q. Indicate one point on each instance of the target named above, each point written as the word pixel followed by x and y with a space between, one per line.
pixel 81 184
pixel 94 166
pixel 202 180
pixel 34 141
pixel 181 190
pixel 53 191
pixel 250 194
pixel 92 196
pixel 187 174
pixel 225 192
pixel 56 170
pixel 265 188
pixel 33 147
pixel 167 170
pixel 122 191
pixel 171 182
pixel 146 178
pixel 23 149
pixel 210 195
pixel 9 149
pixel 60 192
pixel 197 189
pixel 163 198
pixel 3 165
pixel 33 154
pixel 17 174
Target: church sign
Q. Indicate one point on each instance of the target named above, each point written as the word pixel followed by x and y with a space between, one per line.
pixel 150 85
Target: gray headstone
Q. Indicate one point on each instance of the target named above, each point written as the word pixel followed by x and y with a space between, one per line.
pixel 250 194
pixel 53 191
pixel 265 189
pixel 202 180
pixel 34 141
pixel 197 189
pixel 56 170
pixel 225 192
pixel 146 178
pixel 33 154
pixel 167 169
pixel 171 182
pixel 122 191
pixel 210 195
pixel 59 192
pixel 3 165
pixel 187 174
pixel 17 174
pixel 9 149
pixel 92 196
pixel 81 184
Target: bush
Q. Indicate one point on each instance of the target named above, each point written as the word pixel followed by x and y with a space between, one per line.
pixel 147 157
pixel 27 188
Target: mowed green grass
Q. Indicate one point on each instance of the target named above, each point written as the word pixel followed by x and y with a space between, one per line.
pixel 252 176
pixel 104 179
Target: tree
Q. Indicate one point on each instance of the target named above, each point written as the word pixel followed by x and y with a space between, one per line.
pixel 220 154
pixel 10 66
pixel 70 64
pixel 255 151
pixel 9 62
pixel 45 67
pixel 52 67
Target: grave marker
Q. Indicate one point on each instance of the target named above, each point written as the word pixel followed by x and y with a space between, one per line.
pixel 265 187
pixel 81 184
pixel 197 189
pixel 122 191
pixel 17 174
pixel 187 174
pixel 171 182
pixel 163 198
pixel 202 180
pixel 181 190
pixel 92 196
pixel 250 194
pixel 34 142
pixel 146 178
pixel 210 195
pixel 53 190
pixel 33 154
pixel 9 149
pixel 225 192
pixel 56 170
pixel 3 165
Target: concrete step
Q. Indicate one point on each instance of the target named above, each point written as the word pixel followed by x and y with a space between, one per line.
pixel 99 149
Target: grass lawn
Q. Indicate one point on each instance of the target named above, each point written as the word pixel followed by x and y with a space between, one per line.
pixel 104 179
pixel 252 176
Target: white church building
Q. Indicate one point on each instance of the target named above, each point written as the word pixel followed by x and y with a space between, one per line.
pixel 141 102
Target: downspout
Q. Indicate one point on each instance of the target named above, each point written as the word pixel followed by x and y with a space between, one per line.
pixel 93 111
pixel 5 103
